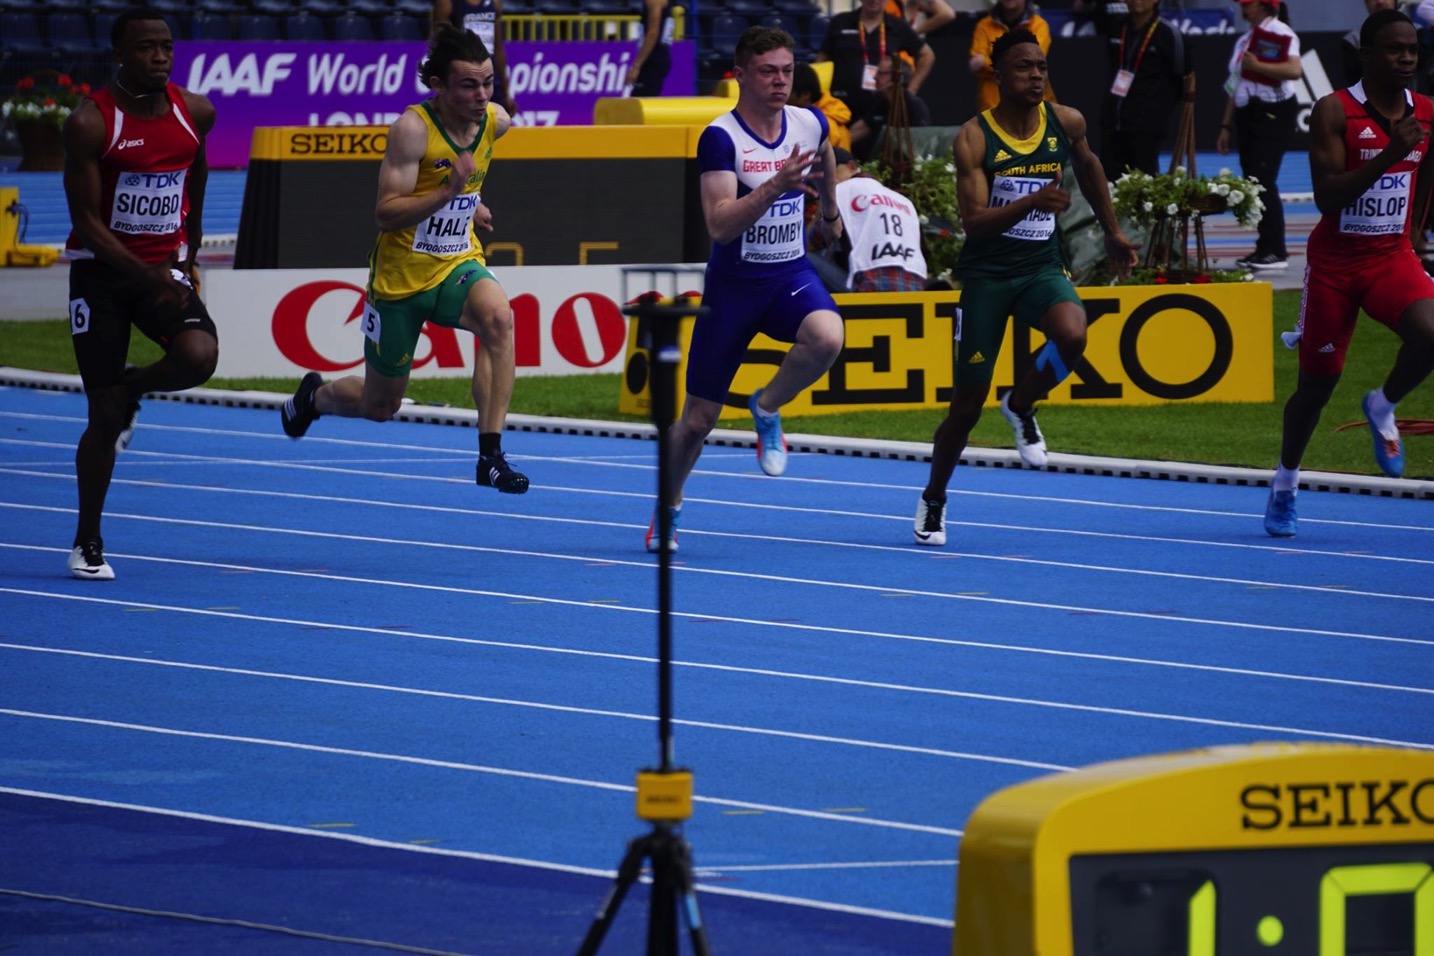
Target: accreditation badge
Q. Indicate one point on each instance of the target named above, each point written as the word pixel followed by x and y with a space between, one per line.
pixel 868 77
pixel 1120 86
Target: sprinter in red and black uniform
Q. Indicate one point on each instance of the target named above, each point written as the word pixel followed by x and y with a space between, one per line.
pixel 135 173
pixel 1369 157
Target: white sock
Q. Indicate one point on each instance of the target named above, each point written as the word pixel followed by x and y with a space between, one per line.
pixel 1286 479
pixel 1381 413
pixel 762 413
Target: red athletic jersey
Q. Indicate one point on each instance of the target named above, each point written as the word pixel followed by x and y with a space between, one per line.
pixel 143 175
pixel 1377 223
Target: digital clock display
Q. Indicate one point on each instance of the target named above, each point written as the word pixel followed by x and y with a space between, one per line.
pixel 1311 901
pixel 1257 850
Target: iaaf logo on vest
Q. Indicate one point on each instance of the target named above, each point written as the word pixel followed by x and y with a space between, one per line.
pixel 310 323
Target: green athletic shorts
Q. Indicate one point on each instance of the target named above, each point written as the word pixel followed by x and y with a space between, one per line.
pixel 391 326
pixel 986 304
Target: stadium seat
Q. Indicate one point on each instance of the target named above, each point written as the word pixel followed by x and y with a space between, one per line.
pixel 350 26
pixel 70 33
pixel 100 28
pixel 722 33
pixel 20 30
pixel 401 27
pixel 257 26
pixel 304 26
pixel 753 10
pixel 817 31
pixel 370 8
pixel 210 26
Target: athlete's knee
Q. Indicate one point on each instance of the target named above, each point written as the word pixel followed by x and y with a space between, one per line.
pixel 108 409
pixel 824 333
pixel 381 409
pixel 697 422
pixel 199 353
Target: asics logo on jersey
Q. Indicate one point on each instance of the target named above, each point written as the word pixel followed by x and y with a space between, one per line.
pixel 126 143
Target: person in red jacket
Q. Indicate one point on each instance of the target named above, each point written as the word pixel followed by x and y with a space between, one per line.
pixel 135 173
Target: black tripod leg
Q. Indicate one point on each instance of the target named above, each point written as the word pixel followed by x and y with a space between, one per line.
pixel 662 908
pixel 687 886
pixel 627 873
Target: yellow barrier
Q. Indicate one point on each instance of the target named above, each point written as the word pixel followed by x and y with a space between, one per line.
pixel 660 110
pixel 12 251
pixel 1146 345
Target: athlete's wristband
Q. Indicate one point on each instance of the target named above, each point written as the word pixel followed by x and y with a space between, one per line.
pixel 831 218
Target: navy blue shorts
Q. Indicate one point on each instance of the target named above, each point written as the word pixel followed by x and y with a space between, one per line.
pixel 739 309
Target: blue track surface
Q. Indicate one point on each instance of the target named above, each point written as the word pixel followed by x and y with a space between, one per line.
pixel 363 680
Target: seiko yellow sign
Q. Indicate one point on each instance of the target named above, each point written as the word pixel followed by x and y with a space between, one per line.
pixel 1145 345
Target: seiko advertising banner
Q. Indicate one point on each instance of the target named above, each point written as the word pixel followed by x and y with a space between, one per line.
pixel 1147 345
pixel 291 83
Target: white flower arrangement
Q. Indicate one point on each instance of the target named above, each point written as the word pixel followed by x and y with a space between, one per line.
pixel 1138 195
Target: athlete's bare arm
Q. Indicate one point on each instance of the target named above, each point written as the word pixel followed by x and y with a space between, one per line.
pixel 201 111
pixel 973 192
pixel 1091 176
pixel 1334 186
pixel 397 207
pixel 728 217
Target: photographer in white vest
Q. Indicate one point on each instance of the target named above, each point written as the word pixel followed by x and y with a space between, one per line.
pixel 884 230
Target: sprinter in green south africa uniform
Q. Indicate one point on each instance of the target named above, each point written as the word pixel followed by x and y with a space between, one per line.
pixel 1009 163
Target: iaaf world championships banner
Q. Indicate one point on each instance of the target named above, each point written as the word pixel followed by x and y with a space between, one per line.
pixel 359 84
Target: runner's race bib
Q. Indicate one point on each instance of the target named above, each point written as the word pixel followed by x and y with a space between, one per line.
pixel 1038 224
pixel 448 232
pixel 148 204
pixel 777 236
pixel 1381 211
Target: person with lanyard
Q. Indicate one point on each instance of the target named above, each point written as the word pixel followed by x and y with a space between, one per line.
pixel 1369 160
pixel 134 180
pixel 485 18
pixel 427 264
pixel 1260 111
pixel 1009 187
pixel 1147 59
pixel 649 68
pixel 1005 16
pixel 757 164
pixel 857 41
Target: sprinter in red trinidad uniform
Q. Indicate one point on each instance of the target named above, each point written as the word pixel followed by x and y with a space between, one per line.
pixel 1369 143
pixel 135 173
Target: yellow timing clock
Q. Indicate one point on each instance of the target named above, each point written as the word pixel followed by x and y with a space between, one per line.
pixel 1278 849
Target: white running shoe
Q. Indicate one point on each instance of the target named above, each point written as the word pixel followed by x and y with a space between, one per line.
pixel 87 561
pixel 1029 440
pixel 930 526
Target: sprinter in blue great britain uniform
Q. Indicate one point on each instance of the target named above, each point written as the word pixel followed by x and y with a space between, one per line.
pixel 758 163
pixel 1009 163
pixel 1369 160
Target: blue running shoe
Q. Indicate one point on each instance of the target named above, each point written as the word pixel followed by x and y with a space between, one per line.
pixel 771 443
pixel 1281 520
pixel 653 542
pixel 1388 452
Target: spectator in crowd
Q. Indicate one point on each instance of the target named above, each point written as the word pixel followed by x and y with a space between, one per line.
pixel 1260 113
pixel 653 61
pixel 485 18
pixel 1147 66
pixel 807 91
pixel 1349 50
pixel 857 41
pixel 925 16
pixel 866 130
pixel 1005 16
pixel 881 233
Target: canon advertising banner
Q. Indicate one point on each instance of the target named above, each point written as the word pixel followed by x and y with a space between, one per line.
pixel 285 322
pixel 291 83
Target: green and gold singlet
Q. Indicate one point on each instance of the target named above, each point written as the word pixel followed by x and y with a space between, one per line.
pixel 416 258
pixel 1016 168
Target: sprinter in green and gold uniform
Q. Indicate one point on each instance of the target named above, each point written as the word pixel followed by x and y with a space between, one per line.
pixel 428 265
pixel 1009 171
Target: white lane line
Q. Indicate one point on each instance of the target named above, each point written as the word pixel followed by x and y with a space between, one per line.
pixel 526 775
